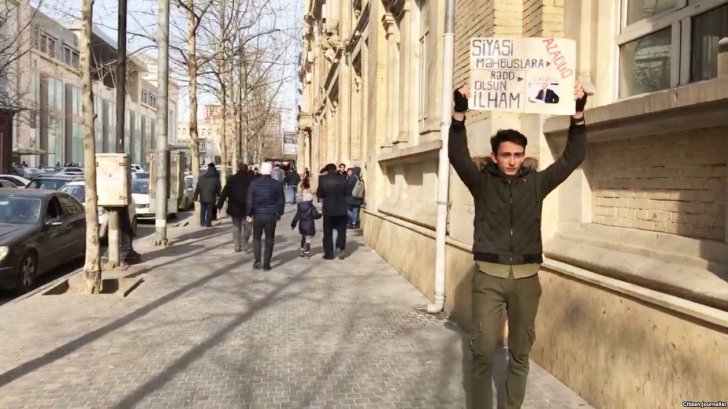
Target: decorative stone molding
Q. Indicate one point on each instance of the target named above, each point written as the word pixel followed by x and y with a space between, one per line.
pixel 389 24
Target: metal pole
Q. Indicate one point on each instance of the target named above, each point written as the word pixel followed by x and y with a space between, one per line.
pixel 162 126
pixel 443 172
pixel 121 249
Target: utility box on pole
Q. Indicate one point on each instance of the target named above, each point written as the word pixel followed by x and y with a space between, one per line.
pixel 112 179
pixel 113 192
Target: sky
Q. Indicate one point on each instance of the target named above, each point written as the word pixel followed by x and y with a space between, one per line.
pixel 142 18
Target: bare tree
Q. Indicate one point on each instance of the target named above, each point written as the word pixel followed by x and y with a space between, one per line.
pixel 92 267
pixel 17 38
pixel 247 71
pixel 189 61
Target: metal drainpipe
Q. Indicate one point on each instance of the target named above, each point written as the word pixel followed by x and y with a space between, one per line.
pixel 443 173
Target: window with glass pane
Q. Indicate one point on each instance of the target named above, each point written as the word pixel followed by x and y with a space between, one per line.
pixel 77 144
pixel 127 132
pixel 707 30
pixel 641 9
pixel 51 90
pixel 59 95
pixel 137 138
pixel 55 140
pixel 98 129
pixel 51 47
pixel 110 126
pixel 646 64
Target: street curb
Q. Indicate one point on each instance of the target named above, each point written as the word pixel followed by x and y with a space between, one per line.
pixel 42 288
pixel 184 224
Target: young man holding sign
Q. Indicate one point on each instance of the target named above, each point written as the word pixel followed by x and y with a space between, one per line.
pixel 507 248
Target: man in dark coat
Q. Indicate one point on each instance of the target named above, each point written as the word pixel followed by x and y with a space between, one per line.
pixel 333 190
pixel 264 207
pixel 236 192
pixel 353 203
pixel 207 190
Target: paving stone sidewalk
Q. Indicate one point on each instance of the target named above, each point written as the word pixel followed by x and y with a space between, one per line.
pixel 205 330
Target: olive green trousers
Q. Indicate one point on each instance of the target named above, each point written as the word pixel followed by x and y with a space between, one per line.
pixel 491 296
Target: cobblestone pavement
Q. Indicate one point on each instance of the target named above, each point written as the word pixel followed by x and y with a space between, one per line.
pixel 205 330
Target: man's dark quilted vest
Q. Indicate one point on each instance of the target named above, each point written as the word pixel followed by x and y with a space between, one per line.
pixel 508 214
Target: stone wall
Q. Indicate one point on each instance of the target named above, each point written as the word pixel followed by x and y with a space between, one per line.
pixel 672 183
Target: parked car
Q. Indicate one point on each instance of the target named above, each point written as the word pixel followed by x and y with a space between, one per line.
pixel 136 168
pixel 17 181
pixel 140 194
pixel 77 189
pixel 52 182
pixel 39 230
pixel 70 170
pixel 140 175
pixel 7 185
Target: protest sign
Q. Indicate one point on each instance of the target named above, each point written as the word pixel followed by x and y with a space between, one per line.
pixel 527 75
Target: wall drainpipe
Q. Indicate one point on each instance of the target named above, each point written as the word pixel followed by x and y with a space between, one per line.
pixel 443 173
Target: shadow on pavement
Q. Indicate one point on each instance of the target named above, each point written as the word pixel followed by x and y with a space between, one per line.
pixel 78 343
pixel 193 354
pixel 7 296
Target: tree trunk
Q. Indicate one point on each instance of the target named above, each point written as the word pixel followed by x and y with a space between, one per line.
pixel 92 267
pixel 192 71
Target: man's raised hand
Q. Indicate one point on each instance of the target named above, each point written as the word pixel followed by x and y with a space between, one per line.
pixel 579 96
pixel 460 98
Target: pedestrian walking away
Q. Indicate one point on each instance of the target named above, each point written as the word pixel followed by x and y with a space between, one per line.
pixel 306 215
pixel 277 173
pixel 507 244
pixel 355 198
pixel 264 207
pixel 291 180
pixel 332 189
pixel 236 193
pixel 207 191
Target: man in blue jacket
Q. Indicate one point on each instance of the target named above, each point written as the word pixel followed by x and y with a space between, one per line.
pixel 264 207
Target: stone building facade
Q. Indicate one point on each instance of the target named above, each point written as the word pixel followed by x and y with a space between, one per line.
pixel 51 122
pixel 636 240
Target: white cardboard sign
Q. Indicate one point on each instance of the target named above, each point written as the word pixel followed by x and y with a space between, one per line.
pixel 527 75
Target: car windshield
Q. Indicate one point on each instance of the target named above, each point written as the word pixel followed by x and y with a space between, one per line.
pixel 140 186
pixel 19 210
pixel 77 191
pixel 47 184
pixel 141 175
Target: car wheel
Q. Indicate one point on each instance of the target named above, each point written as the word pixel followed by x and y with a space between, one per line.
pixel 27 272
pixel 134 226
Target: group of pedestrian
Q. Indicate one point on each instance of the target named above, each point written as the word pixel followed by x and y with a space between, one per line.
pixel 355 191
pixel 256 200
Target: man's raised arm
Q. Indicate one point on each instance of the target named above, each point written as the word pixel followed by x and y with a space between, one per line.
pixel 458 151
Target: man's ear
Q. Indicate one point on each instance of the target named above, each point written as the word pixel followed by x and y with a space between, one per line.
pixel 493 157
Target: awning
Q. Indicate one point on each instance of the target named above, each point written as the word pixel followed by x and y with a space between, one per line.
pixel 29 151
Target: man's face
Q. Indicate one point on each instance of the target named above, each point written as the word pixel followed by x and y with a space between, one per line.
pixel 509 158
pixel 342 169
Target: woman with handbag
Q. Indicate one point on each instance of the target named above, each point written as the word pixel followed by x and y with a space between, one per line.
pixel 306 213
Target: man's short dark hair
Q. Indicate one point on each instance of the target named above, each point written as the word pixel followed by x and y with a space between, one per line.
pixel 330 167
pixel 508 135
pixel 342 164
